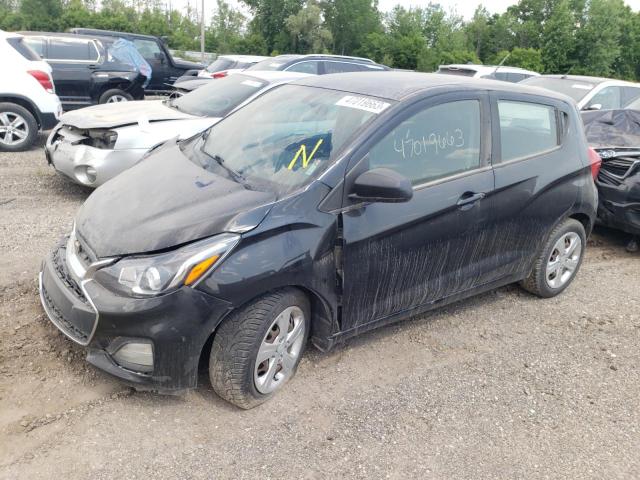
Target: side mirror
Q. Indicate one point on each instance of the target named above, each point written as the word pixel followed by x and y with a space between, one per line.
pixel 381 185
pixel 595 106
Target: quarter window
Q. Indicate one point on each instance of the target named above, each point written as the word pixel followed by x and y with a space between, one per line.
pixel 526 129
pixel 435 143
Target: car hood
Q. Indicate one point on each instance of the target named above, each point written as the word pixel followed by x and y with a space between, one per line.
pixel 109 115
pixel 165 201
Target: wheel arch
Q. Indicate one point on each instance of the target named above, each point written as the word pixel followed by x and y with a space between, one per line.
pixel 321 322
pixel 25 103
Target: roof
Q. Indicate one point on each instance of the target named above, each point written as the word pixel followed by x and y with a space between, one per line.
pixel 109 40
pixel 478 68
pixel 111 33
pixel 293 56
pixel 275 75
pixel 580 78
pixel 401 85
pixel 4 34
pixel 247 58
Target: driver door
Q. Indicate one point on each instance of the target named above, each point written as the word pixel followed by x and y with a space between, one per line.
pixel 401 256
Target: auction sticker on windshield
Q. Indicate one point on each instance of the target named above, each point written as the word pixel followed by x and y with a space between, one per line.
pixel 362 103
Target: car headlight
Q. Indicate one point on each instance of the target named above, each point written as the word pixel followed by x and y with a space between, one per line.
pixel 151 275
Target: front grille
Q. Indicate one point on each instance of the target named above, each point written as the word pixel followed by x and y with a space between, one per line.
pixel 616 170
pixel 58 319
pixel 62 272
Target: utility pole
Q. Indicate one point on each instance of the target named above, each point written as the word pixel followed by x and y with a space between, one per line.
pixel 202 32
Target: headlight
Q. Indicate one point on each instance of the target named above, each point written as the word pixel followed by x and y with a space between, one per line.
pixel 147 276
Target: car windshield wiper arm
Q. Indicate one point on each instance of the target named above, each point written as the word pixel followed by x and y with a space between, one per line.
pixel 220 161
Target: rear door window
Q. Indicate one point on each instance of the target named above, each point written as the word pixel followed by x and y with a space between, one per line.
pixel 438 142
pixel 526 129
pixel 629 96
pixel 71 49
pixel 147 48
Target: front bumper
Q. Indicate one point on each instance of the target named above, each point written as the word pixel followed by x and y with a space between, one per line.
pixel 177 325
pixel 87 165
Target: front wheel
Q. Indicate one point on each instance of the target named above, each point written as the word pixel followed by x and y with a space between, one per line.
pixel 115 95
pixel 257 349
pixel 559 261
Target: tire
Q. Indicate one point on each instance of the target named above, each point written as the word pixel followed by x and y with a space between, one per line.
pixel 18 127
pixel 115 95
pixel 559 260
pixel 233 369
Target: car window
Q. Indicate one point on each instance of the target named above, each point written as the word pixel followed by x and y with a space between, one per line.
pixel 630 95
pixel 69 49
pixel 342 67
pixel 515 77
pixel 23 48
pixel 608 98
pixel 219 64
pixel 526 129
pixel 304 67
pixel 575 88
pixel 218 98
pixel 36 44
pixel 147 48
pixel 437 142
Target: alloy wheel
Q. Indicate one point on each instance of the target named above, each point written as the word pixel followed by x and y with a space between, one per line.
pixel 117 98
pixel 279 351
pixel 13 128
pixel 564 260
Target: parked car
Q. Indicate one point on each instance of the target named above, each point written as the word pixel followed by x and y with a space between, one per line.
pixel 590 93
pixel 28 102
pixel 324 208
pixel 318 64
pixel 492 72
pixel 229 64
pixel 93 145
pixel 615 136
pixel 84 70
pixel 166 69
pixel 188 84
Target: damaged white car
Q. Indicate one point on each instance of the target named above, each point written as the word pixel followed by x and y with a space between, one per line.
pixel 94 144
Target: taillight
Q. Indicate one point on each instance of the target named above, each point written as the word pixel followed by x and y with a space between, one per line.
pixel 596 162
pixel 222 74
pixel 43 79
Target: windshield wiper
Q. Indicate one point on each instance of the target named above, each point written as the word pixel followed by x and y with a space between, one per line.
pixel 220 161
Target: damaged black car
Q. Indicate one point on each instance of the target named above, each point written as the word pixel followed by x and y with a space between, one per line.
pixel 323 209
pixel 615 136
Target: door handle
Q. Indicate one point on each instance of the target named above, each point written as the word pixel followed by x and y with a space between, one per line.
pixel 469 198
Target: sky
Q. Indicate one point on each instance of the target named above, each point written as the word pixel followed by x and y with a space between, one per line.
pixel 464 8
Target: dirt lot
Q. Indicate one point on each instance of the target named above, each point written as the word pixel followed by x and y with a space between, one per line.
pixel 501 386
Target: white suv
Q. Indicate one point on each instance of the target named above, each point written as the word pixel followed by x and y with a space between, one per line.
pixel 28 102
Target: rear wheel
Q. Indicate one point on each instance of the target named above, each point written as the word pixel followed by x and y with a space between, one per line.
pixel 115 95
pixel 257 349
pixel 18 127
pixel 559 262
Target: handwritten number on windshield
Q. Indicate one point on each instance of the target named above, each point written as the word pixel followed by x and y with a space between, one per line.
pixel 303 151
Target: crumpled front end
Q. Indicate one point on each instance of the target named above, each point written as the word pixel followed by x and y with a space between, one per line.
pixel 87 156
pixel 619 187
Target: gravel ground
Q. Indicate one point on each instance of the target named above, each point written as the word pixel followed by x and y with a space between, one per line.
pixel 504 385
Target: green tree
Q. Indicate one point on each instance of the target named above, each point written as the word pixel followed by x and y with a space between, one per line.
pixel 269 18
pixel 307 32
pixel 225 31
pixel 40 14
pixel 558 39
pixel 350 21
pixel 527 58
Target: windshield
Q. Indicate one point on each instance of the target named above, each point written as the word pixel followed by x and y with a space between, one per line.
pixel 575 89
pixel 220 64
pixel 287 137
pixel 219 97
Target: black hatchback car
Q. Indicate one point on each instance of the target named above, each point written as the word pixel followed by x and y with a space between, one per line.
pixel 321 210
pixel 85 70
